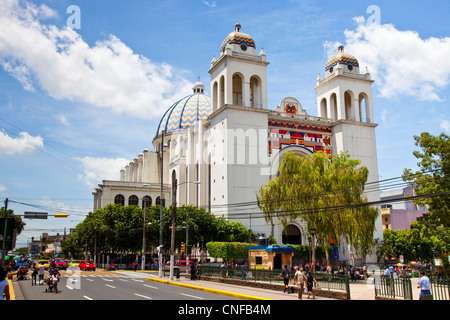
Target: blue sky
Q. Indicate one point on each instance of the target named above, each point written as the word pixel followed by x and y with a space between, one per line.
pixel 77 104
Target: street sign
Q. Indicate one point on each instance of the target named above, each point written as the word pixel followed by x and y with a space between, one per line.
pixel 35 215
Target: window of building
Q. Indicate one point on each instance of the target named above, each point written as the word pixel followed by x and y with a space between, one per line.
pixel 133 200
pixel 146 202
pixel 119 199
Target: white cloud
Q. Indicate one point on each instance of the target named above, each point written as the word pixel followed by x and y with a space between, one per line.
pixel 62 119
pixel 401 62
pixel 108 74
pixel 97 169
pixel 24 143
pixel 211 4
pixel 445 124
pixel 2 188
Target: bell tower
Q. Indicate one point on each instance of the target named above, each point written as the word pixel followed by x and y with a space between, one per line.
pixel 344 96
pixel 239 76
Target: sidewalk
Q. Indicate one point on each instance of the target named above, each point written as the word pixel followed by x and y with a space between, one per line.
pixel 248 293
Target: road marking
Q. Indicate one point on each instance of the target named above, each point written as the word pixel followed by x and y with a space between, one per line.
pixel 140 295
pixel 188 295
pixel 108 280
pixel 123 280
pixel 86 297
pixel 89 280
pixel 108 285
pixel 146 285
pixel 138 280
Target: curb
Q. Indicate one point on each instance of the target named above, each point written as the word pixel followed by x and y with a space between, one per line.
pixel 224 293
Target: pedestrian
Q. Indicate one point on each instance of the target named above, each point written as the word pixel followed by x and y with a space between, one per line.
pixel 286 274
pixel 352 273
pixel 423 285
pixel 310 280
pixel 4 284
pixel 55 279
pixel 34 273
pixel 300 277
pixel 192 270
pixel 244 270
pixel 41 273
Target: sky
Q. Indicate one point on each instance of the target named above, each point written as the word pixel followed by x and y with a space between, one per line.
pixel 83 84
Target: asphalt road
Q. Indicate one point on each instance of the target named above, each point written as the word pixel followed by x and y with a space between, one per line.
pixel 103 285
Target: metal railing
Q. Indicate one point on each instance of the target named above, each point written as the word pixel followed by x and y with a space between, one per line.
pixel 390 287
pixel 440 287
pixel 326 281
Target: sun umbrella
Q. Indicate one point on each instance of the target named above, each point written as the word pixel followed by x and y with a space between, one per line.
pixel 399 264
pixel 413 262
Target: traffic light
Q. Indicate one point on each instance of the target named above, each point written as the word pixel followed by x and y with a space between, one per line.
pixel 61 215
pixel 183 247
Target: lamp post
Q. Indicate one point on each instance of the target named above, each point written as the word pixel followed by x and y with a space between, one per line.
pixel 313 233
pixel 161 150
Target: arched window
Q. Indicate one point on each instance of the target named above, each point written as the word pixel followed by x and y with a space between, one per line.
pixel 146 202
pixel 292 235
pixel 255 92
pixel 237 89
pixel 133 200
pixel 119 199
pixel 158 201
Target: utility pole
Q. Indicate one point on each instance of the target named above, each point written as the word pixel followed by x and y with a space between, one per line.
pixel 4 235
pixel 174 216
pixel 143 242
pixel 160 256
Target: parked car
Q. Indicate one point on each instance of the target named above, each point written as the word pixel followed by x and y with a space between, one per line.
pixel 61 263
pixel 87 265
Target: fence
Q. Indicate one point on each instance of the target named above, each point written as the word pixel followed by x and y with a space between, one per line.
pixel 393 288
pixel 440 287
pixel 339 282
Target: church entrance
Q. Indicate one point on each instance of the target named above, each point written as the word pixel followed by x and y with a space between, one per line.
pixel 292 235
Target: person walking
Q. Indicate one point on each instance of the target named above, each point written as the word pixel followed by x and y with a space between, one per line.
pixel 423 285
pixel 41 273
pixel 4 284
pixel 34 273
pixel 286 274
pixel 55 280
pixel 300 277
pixel 310 280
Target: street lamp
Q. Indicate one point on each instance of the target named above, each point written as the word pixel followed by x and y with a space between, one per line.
pixel 313 233
pixel 161 151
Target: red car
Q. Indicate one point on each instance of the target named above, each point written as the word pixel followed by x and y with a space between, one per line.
pixel 86 265
pixel 61 263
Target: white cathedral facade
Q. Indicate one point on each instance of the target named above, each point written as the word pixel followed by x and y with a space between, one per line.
pixel 223 148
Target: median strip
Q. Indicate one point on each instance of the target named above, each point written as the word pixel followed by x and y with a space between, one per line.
pixel 224 293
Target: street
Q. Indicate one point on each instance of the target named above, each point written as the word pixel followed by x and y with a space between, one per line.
pixel 107 285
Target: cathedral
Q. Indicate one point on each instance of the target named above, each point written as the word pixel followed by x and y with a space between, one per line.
pixel 221 149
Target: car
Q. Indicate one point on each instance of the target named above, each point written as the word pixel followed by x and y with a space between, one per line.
pixel 46 263
pixel 61 263
pixel 86 265
pixel 74 263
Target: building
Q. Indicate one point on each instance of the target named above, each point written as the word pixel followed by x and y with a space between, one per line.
pixel 222 149
pixel 399 213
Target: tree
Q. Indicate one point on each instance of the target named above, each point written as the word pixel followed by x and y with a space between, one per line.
pixel 433 178
pixel 18 222
pixel 327 194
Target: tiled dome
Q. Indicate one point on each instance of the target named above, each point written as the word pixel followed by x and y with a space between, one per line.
pixel 186 112
pixel 341 58
pixel 238 37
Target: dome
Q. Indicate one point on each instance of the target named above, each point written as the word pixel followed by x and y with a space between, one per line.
pixel 342 58
pixel 237 37
pixel 186 112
